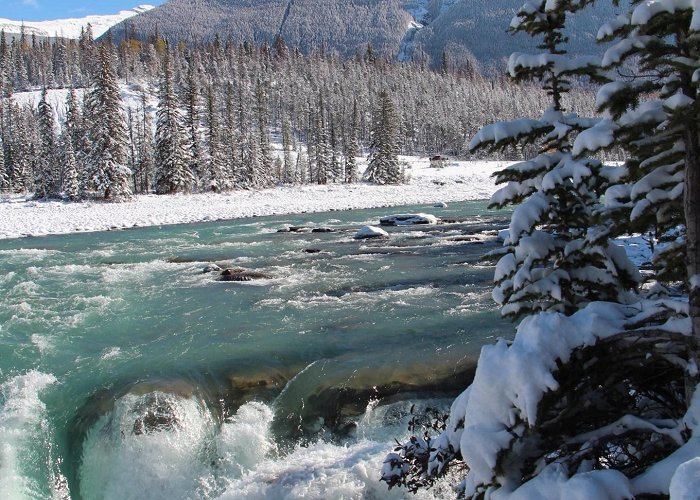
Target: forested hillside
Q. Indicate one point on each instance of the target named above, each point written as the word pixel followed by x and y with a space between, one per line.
pixel 227 116
pixel 419 30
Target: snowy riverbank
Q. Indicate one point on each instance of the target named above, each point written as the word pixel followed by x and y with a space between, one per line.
pixel 20 216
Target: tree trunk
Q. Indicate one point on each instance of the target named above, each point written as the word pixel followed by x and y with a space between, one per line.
pixel 692 218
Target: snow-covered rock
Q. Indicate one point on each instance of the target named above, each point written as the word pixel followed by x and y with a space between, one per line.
pixel 368 232
pixel 408 219
pixel 211 268
pixel 440 204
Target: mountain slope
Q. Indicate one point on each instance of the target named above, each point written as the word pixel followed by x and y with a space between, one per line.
pixel 407 29
pixel 70 28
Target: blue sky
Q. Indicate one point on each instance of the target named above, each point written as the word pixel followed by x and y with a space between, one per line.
pixel 42 10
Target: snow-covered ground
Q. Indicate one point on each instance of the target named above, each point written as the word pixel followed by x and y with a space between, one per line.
pixel 22 216
pixel 71 28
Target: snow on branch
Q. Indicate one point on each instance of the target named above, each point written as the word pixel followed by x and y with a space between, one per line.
pixel 626 47
pixel 498 134
pixel 648 10
pixel 559 64
pixel 597 137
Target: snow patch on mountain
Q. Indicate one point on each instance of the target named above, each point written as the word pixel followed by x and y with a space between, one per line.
pixel 423 12
pixel 71 28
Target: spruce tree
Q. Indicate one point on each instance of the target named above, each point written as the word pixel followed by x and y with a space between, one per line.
pixel 352 147
pixel 598 418
pixel 192 119
pixel 552 259
pixel 46 179
pixel 106 132
pixel 4 177
pixel 383 167
pixel 172 165
pixel 230 136
pixel 321 144
pixel 263 174
pixel 216 177
pixel 655 117
pixel 145 149
pixel 74 126
pixel 336 169
pixel 71 176
pixel 288 168
pixel 302 171
pixel 20 151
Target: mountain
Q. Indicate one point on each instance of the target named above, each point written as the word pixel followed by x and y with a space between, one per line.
pixel 404 29
pixel 70 28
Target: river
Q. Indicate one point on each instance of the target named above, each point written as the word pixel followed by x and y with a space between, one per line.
pixel 128 372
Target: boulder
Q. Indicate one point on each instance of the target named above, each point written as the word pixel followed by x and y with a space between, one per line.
pixel 369 232
pixel 408 219
pixel 237 274
pixel 158 414
pixel 294 229
pixel 211 268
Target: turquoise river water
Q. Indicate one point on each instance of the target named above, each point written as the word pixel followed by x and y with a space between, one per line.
pixel 126 372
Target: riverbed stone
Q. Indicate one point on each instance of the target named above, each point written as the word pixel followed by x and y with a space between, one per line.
pixel 238 274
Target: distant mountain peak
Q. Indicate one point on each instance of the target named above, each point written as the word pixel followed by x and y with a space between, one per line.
pixel 466 31
pixel 71 28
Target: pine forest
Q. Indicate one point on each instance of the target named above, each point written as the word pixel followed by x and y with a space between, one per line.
pixel 224 116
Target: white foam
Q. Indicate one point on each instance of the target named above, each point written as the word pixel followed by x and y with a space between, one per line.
pixel 324 470
pixel 165 464
pixel 23 432
pixel 42 342
pixel 245 440
pixel 110 353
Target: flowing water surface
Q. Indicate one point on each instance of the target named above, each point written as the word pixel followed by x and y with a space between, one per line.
pixel 128 372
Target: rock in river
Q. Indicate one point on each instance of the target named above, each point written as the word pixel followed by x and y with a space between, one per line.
pixel 237 274
pixel 211 268
pixel 368 232
pixel 408 219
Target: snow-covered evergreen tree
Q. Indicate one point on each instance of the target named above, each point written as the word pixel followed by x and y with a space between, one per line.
pixel 106 132
pixel 288 167
pixel 47 180
pixel 591 399
pixel 553 260
pixel 352 147
pixel 192 120
pixel 231 134
pixel 655 117
pixel 71 176
pixel 4 178
pixel 263 173
pixel 172 166
pixel 302 168
pixel 322 152
pixel 144 175
pixel 74 126
pixel 215 176
pixel 383 167
pixel 336 168
pixel 21 151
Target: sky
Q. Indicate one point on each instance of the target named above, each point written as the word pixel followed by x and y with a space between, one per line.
pixel 43 10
